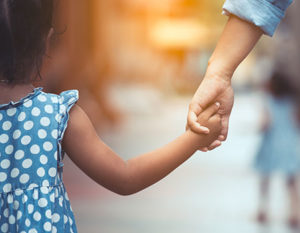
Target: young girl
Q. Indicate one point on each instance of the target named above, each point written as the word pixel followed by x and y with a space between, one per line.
pixel 280 149
pixel 36 128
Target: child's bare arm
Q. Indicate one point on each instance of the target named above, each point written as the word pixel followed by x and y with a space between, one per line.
pixel 98 161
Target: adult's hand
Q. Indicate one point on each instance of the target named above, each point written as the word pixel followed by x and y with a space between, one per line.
pixel 235 43
pixel 212 89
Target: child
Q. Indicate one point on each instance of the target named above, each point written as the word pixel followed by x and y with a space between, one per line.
pixel 280 149
pixel 36 128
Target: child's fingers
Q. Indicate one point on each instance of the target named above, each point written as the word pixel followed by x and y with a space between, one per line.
pixel 212 109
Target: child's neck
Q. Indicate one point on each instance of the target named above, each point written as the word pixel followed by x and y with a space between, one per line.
pixel 14 92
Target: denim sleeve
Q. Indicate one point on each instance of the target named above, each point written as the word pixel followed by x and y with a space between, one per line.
pixel 265 14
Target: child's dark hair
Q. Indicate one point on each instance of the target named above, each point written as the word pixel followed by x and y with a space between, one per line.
pixel 280 85
pixel 24 26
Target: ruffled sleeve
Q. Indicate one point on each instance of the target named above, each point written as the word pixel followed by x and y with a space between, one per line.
pixel 265 14
pixel 66 101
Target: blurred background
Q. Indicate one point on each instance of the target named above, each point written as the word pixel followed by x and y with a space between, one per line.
pixel 137 64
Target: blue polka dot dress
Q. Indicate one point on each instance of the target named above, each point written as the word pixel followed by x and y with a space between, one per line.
pixel 32 194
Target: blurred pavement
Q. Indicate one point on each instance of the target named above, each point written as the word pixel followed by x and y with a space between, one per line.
pixel 213 192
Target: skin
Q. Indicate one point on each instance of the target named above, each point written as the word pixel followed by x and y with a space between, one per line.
pixel 237 40
pixel 108 169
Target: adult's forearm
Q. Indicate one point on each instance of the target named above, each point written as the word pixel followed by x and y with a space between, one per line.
pixel 236 42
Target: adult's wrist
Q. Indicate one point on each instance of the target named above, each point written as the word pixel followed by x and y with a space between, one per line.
pixel 218 69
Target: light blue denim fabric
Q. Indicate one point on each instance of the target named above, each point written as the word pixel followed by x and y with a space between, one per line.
pixel 265 14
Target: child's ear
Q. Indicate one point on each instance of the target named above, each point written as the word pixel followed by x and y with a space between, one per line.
pixel 48 40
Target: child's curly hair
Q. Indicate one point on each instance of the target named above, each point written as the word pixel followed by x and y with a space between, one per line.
pixel 24 26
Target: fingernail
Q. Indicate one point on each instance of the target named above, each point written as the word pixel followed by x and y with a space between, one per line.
pixel 218 104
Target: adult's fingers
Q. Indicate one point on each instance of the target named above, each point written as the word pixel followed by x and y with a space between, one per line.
pixel 211 110
pixel 214 145
pixel 224 131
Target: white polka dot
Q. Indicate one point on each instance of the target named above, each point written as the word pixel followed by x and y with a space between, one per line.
pixel 35 111
pixel 52 172
pixel 43 202
pixel 40 172
pixel 26 140
pixel 7 188
pixel 58 118
pixel 55 218
pixel 22 116
pixel 4 228
pixel 14 172
pixel 71 100
pixel 16 134
pixel 47 146
pixel 65 219
pixel 47 226
pixel 43 159
pixel 35 149
pixel 24 198
pixel 16 205
pixel 45 183
pixel 19 214
pixel 1 116
pixel 54 229
pixel 28 125
pixel 6 125
pixel 27 163
pixel 54 100
pixel 61 100
pixel 9 149
pixel 62 109
pixel 55 155
pixel 33 230
pixel 60 201
pixel 19 192
pixel 3 138
pixel 27 222
pixel 42 133
pixel 48 214
pixel 45 121
pixel 10 199
pixel 28 103
pixel 24 178
pixel 5 213
pixel 37 216
pixel 11 219
pixel 30 208
pixel 32 186
pixel 3 176
pixel 44 190
pixel 52 198
pixel 54 133
pixel 66 196
pixel 35 195
pixel 5 163
pixel 11 111
pixel 19 154
pixel 48 109
pixel 42 98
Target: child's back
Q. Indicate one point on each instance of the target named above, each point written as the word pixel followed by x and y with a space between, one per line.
pixel 33 197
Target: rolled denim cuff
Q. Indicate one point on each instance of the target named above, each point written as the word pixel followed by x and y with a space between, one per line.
pixel 265 14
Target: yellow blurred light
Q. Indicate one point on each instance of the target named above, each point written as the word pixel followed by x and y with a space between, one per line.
pixel 178 34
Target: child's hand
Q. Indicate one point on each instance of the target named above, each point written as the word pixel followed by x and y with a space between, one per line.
pixel 212 120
